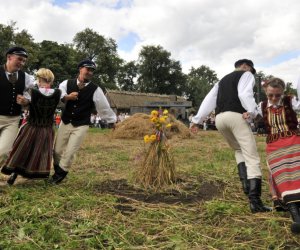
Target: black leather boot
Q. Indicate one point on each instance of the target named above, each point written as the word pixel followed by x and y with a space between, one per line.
pixel 58 176
pixel 256 204
pixel 243 177
pixel 12 179
pixel 295 213
pixel 280 206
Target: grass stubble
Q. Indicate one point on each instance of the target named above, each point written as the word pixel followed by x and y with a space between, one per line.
pixel 100 206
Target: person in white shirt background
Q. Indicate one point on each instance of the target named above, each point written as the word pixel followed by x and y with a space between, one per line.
pixel 98 120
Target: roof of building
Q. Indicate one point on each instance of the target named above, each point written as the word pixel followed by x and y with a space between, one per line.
pixel 126 99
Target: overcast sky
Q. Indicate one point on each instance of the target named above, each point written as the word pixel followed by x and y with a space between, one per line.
pixel 215 33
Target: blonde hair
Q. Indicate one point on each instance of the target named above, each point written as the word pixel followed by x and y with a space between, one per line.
pixel 45 75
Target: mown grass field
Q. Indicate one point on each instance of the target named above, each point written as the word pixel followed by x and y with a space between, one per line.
pixel 99 206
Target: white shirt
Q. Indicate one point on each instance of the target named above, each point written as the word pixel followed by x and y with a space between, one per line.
pixel 245 94
pixel 100 101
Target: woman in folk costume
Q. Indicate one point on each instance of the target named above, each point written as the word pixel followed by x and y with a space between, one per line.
pixel 32 151
pixel 283 147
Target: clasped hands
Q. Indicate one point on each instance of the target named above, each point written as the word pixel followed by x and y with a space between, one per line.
pixel 22 100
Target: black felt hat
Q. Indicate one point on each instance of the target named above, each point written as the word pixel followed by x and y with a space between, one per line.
pixel 246 61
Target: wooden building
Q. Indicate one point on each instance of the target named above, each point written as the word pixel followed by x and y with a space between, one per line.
pixel 134 102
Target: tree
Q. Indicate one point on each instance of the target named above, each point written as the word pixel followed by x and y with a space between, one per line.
pixel 7 34
pixel 104 52
pixel 10 37
pixel 62 59
pixel 25 40
pixel 259 92
pixel 289 90
pixel 158 73
pixel 199 83
pixel 127 75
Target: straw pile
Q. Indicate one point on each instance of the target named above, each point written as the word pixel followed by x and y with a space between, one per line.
pixel 138 125
pixel 158 168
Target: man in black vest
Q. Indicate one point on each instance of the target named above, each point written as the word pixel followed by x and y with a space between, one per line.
pixel 14 84
pixel 230 98
pixel 80 96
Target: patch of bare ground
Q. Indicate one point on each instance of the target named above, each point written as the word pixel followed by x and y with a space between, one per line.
pixel 187 192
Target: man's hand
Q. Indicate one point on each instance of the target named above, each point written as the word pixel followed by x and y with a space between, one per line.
pixel 194 128
pixel 22 100
pixel 246 115
pixel 73 96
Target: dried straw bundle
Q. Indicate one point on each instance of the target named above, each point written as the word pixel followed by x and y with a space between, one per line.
pixel 157 169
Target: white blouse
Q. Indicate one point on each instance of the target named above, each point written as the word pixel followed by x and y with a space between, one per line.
pixel 46 91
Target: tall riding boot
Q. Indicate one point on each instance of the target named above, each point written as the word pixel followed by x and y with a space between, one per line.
pixel 295 213
pixel 243 177
pixel 256 204
pixel 58 176
pixel 12 179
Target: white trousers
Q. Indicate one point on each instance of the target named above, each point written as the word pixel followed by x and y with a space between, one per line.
pixel 8 133
pixel 67 143
pixel 240 138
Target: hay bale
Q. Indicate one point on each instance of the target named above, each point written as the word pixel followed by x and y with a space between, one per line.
pixel 139 125
pixel 178 129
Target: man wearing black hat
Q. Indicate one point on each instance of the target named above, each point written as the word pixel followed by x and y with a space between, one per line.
pixel 80 96
pixel 230 98
pixel 14 84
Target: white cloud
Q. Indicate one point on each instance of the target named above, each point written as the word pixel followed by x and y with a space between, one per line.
pixel 214 33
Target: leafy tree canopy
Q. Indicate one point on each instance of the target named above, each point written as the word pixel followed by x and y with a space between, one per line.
pixel 199 83
pixel 158 73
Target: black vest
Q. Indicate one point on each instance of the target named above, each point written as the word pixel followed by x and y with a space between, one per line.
pixel 227 98
pixel 78 112
pixel 42 108
pixel 9 92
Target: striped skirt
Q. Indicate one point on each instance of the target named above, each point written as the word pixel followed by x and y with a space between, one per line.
pixel 283 158
pixel 31 155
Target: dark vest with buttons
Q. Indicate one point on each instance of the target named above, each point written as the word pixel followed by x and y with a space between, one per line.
pixel 78 112
pixel 227 98
pixel 9 92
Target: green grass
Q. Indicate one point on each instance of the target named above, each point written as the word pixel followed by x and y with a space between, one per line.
pixel 99 206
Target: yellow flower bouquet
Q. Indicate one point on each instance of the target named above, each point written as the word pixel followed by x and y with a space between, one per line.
pixel 158 168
